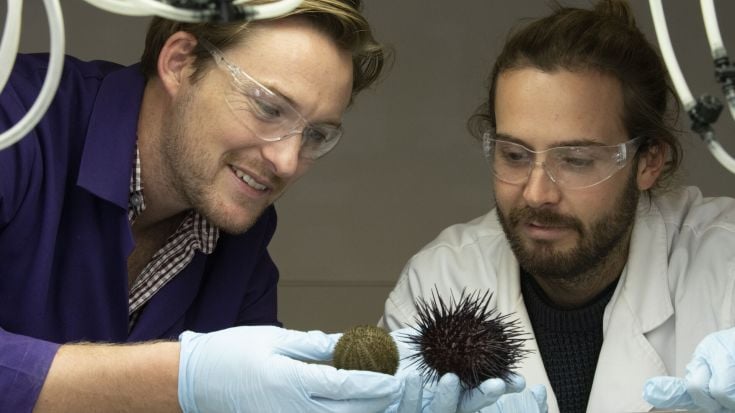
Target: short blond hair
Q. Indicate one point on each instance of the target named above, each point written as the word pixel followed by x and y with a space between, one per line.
pixel 342 20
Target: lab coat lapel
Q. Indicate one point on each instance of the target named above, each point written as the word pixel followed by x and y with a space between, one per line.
pixel 641 303
pixel 626 361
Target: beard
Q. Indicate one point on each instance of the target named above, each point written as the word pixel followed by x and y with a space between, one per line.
pixel 190 169
pixel 605 238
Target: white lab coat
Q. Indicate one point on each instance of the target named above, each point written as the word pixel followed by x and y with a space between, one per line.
pixel 677 287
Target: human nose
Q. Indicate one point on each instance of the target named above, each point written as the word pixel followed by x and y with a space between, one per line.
pixel 540 188
pixel 283 155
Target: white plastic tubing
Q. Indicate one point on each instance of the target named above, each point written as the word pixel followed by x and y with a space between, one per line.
pixel 667 52
pixel 9 49
pixel 11 36
pixel 680 85
pixel 715 43
pixel 155 7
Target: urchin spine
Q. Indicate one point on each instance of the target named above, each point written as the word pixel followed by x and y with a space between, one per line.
pixel 466 337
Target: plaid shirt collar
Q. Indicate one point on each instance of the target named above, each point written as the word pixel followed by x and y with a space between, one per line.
pixel 194 233
pixel 136 202
pixel 204 233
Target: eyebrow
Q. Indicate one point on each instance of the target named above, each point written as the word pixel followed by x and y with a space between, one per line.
pixel 555 144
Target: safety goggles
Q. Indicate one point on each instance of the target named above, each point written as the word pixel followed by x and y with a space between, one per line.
pixel 572 167
pixel 268 115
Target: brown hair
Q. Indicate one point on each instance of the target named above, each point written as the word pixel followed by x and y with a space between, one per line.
pixel 340 19
pixel 607 40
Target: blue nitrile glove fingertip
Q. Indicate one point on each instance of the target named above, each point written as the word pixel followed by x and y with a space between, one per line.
pixel 525 401
pixel 515 384
pixel 722 387
pixel 710 374
pixel 449 381
pixel 539 393
pixel 697 385
pixel 446 395
pixel 665 391
pixel 493 387
pixel 484 395
pixel 722 382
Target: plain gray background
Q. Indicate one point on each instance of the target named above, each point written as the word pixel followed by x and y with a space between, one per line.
pixel 407 167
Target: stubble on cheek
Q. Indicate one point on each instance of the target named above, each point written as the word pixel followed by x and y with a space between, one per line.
pixel 596 243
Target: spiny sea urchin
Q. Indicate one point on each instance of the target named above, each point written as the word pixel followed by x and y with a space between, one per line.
pixel 465 337
pixel 366 348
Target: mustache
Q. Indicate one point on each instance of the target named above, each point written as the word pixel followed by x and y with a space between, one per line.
pixel 544 217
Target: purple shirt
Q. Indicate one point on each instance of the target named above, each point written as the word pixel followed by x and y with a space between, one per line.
pixel 65 236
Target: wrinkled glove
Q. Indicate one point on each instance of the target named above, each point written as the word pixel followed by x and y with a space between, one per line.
pixel 709 383
pixel 257 369
pixel 446 395
pixel 530 400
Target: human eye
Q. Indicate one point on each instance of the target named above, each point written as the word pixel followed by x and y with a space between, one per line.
pixel 578 158
pixel 260 109
pixel 315 135
pixel 266 110
pixel 512 153
pixel 318 135
pixel 259 102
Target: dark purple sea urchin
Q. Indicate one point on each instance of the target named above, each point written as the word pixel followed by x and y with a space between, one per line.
pixel 465 337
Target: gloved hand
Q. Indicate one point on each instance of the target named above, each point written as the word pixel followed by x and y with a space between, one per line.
pixel 709 383
pixel 530 400
pixel 257 369
pixel 444 396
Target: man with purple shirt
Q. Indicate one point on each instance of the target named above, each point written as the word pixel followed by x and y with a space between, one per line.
pixel 140 208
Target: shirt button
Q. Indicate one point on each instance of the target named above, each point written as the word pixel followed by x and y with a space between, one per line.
pixel 136 200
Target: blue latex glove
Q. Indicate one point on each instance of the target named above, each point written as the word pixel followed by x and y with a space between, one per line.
pixel 257 369
pixel 530 400
pixel 709 383
pixel 446 395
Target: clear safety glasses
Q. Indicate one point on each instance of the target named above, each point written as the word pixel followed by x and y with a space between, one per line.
pixel 268 115
pixel 572 167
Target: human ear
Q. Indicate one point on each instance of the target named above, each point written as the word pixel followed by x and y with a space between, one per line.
pixel 650 165
pixel 175 60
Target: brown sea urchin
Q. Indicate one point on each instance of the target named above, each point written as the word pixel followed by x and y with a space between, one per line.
pixel 366 348
pixel 465 337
